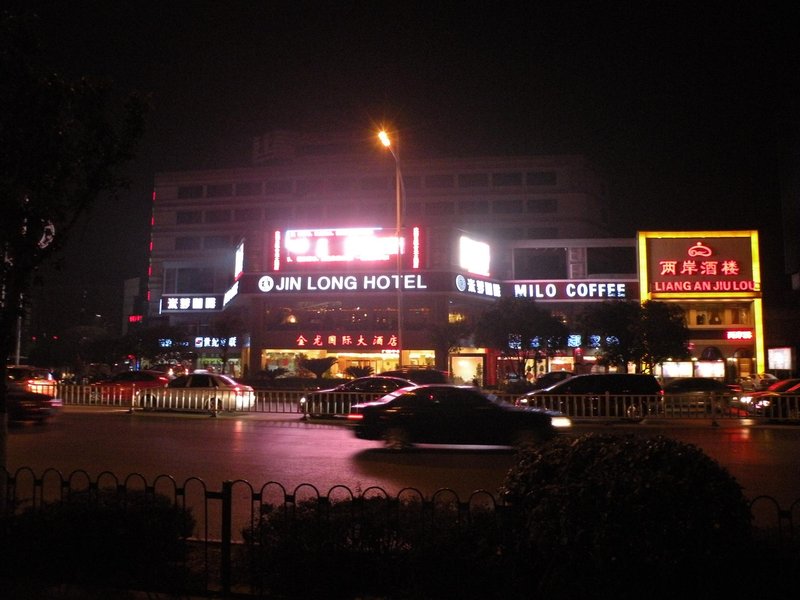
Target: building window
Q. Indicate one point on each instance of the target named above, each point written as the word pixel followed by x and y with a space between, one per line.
pixel 542 205
pixel 507 207
pixel 248 188
pixel 415 208
pixel 342 210
pixel 506 179
pixel 612 260
pixel 439 181
pixel 278 186
pixel 440 208
pixel 214 242
pixel 468 180
pixel 305 211
pixel 540 263
pixel 377 209
pixel 219 190
pixel 473 207
pixel 243 215
pixel 374 183
pixel 190 191
pixel 541 178
pixel 412 182
pixel 188 217
pixel 187 243
pixel 218 216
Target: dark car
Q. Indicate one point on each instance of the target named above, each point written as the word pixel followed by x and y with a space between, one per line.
pixel 419 375
pixel 122 387
pixel 23 406
pixel 32 379
pixel 337 401
pixel 624 395
pixel 449 414
pixel 548 379
pixel 691 395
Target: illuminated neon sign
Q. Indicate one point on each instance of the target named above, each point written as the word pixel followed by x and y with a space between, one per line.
pixel 309 248
pixel 190 303
pixel 362 341
pixel 739 334
pixel 574 289
pixel 473 256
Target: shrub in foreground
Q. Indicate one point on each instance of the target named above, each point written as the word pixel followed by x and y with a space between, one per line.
pixel 627 517
pixel 96 539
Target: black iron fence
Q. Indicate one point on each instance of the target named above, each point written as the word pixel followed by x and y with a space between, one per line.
pixel 228 516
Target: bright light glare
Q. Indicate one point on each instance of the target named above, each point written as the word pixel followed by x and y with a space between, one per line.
pixel 561 422
pixel 384 138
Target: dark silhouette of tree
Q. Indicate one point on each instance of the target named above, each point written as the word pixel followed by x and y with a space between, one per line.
pixel 62 145
pixel 520 329
pixel 227 326
pixel 356 371
pixel 317 366
pixel 644 334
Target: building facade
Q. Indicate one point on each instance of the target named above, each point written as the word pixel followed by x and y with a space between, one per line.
pixel 303 247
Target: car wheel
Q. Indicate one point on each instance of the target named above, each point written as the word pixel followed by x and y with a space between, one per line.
pixel 396 438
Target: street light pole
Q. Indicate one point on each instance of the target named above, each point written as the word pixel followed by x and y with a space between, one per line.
pixel 398 177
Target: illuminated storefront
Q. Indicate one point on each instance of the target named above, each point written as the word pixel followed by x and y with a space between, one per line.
pixel 715 276
pixel 334 292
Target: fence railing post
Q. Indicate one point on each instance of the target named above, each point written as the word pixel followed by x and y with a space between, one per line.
pixel 226 536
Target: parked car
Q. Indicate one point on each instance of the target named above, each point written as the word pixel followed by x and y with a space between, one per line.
pixel 337 401
pixel 419 375
pixel 780 400
pixel 624 395
pixel 201 390
pixel 548 379
pixel 32 379
pixel 122 387
pixel 450 414
pixel 23 405
pixel 691 395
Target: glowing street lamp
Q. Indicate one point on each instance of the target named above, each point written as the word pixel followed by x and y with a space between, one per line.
pixel 383 136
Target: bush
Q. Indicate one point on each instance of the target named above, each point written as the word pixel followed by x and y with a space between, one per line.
pixel 627 517
pixel 378 547
pixel 98 539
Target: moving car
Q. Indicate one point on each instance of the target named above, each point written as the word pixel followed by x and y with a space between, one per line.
pixel 624 395
pixel 337 401
pixel 32 379
pixel 122 387
pixel 449 414
pixel 202 391
pixel 22 406
pixel 419 375
pixel 780 400
pixel 705 395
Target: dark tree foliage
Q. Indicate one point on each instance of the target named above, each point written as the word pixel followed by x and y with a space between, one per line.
pixel 318 366
pixel 62 144
pixel 520 329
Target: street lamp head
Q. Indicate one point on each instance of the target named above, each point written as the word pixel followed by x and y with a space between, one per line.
pixel 384 138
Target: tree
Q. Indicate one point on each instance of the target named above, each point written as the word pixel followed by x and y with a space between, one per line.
pixel 226 326
pixel 612 327
pixel 62 144
pixel 663 334
pixel 520 329
pixel 645 334
pixel 318 366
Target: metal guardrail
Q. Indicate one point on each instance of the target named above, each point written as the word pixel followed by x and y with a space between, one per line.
pixel 608 406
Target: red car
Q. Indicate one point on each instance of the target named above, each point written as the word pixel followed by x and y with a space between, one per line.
pixel 122 387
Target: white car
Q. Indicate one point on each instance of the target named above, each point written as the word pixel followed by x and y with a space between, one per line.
pixel 201 391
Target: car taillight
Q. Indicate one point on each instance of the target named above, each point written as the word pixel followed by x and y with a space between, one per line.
pixel 355 417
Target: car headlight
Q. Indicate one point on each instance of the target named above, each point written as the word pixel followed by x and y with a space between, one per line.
pixel 302 399
pixel 561 422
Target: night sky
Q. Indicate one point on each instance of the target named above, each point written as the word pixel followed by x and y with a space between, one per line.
pixel 682 105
